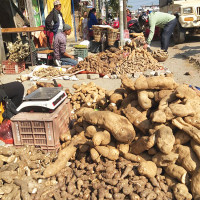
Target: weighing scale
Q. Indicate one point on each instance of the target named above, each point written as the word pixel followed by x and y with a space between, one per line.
pixel 43 99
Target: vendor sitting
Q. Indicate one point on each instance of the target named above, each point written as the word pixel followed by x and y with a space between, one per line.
pixel 59 46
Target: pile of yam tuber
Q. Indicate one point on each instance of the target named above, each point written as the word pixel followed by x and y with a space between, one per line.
pixel 153 122
pixel 133 58
pixel 86 95
pixel 141 141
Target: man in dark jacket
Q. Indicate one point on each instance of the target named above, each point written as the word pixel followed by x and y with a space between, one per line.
pixel 54 21
pixel 59 45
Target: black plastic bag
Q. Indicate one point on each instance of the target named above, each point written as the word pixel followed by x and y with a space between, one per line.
pixel 10 109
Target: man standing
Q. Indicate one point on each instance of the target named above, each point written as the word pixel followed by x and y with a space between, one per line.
pixel 165 21
pixel 59 46
pixel 54 21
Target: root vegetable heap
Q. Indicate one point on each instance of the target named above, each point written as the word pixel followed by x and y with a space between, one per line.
pixel 165 117
pixel 115 61
pixel 18 51
pixel 143 143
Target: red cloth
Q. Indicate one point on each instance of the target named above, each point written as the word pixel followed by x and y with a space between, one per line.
pixel 128 18
pixel 49 34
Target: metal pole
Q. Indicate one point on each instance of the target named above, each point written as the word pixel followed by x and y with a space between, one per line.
pixel 121 23
pixel 74 20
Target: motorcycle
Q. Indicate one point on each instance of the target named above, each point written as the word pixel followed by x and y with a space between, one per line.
pixel 134 27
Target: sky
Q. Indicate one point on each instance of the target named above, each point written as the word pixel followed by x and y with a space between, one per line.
pixel 137 3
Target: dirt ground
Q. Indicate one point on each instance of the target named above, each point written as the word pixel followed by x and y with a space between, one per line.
pixel 178 63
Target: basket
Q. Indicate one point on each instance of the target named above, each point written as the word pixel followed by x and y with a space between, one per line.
pixel 10 67
pixel 41 130
pixel 97 33
pixel 81 52
pixel 160 58
pixel 112 36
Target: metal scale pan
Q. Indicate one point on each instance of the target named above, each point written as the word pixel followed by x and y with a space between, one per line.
pixel 43 99
pixel 43 94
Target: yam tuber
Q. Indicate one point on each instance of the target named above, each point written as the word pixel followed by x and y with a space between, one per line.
pixel 108 152
pixel 184 91
pixel 187 158
pixel 163 160
pixel 156 82
pixel 192 131
pixel 117 125
pixel 165 139
pixel 101 138
pixel 132 157
pixel 159 116
pixel 177 172
pixel 142 144
pixel 137 118
pixel 195 185
pixel 181 192
pixel 64 155
pixel 123 148
pixel 94 155
pixel 147 168
pixel 144 100
pixel 194 121
pixel 182 110
pixel 196 148
pixel 181 137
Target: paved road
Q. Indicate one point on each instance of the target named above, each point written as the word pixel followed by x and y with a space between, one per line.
pixel 178 64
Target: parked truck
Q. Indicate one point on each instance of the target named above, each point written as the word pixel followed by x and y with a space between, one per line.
pixel 188 15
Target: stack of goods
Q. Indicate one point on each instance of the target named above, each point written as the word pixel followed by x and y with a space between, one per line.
pixel 133 58
pixel 49 72
pixel 18 51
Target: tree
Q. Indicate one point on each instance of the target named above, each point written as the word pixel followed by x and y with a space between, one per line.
pixel 114 4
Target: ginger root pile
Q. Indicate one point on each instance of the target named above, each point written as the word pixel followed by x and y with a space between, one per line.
pixel 18 51
pixel 48 72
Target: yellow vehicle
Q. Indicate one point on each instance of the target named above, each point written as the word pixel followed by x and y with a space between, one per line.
pixel 188 15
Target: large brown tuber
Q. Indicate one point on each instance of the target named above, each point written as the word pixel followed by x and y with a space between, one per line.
pixel 192 131
pixel 108 152
pixel 142 144
pixel 137 118
pixel 181 192
pixel 195 185
pixel 163 160
pixel 147 168
pixel 64 156
pixel 177 172
pixel 117 125
pixel 165 139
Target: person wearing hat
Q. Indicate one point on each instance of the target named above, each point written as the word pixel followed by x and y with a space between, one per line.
pixel 54 21
pixel 165 21
pixel 59 46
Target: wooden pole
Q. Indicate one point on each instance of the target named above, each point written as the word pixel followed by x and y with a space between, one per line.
pixel 2 50
pixel 125 15
pixel 30 12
